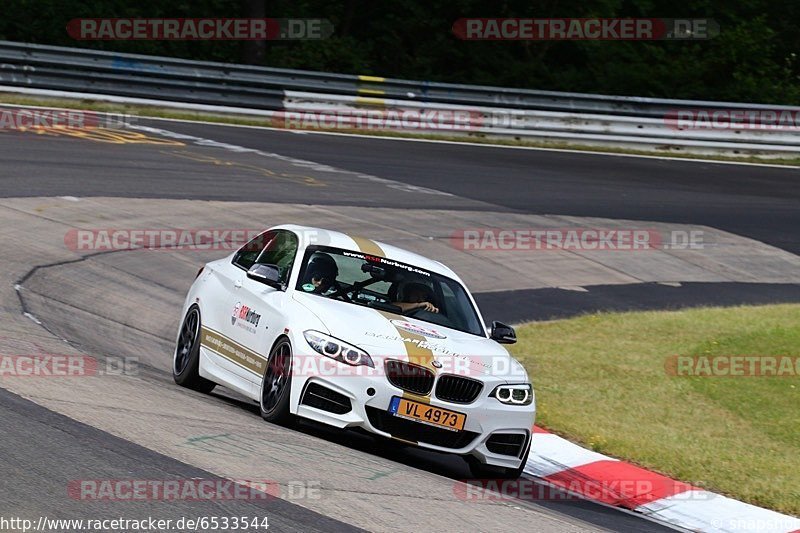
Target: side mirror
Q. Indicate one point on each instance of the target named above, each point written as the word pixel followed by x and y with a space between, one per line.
pixel 266 274
pixel 502 333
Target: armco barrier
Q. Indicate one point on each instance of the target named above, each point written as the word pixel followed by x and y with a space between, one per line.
pixel 574 118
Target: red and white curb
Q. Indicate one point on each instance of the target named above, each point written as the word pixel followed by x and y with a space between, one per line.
pixel 597 477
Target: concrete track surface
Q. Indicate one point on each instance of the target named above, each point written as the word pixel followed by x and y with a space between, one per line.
pixel 56 299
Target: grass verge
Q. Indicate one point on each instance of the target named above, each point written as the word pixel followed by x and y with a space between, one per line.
pixel 601 381
pixel 164 112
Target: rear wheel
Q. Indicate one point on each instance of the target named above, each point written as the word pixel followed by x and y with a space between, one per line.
pixel 186 362
pixel 277 383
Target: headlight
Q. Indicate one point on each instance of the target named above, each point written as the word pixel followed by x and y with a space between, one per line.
pixel 514 394
pixel 336 349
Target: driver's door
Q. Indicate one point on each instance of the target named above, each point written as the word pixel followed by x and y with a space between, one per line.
pixel 256 317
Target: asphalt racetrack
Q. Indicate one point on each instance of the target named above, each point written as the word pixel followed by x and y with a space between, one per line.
pixel 415 194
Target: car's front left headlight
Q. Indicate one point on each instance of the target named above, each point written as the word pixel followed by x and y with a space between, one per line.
pixel 337 349
pixel 521 394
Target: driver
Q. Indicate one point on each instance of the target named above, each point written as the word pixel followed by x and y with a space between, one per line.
pixel 416 296
pixel 321 272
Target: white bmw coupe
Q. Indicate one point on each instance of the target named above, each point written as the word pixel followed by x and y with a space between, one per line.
pixel 355 333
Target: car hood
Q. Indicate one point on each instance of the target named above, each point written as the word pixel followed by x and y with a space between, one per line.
pixel 387 335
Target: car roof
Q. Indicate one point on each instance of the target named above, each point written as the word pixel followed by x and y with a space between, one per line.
pixel 347 241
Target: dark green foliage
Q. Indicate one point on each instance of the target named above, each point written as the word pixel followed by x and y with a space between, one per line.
pixel 755 57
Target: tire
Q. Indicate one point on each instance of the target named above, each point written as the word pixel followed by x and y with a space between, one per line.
pixel 186 361
pixel 276 384
pixel 483 471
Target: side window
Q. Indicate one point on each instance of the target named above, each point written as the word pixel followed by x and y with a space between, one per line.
pixel 281 251
pixel 248 253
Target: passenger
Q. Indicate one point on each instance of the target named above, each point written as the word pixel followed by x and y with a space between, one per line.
pixel 321 273
pixel 416 296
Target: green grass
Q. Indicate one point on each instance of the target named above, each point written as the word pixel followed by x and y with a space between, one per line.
pixel 601 381
pixel 476 138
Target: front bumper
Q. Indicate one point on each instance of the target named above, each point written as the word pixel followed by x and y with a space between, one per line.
pixel 369 397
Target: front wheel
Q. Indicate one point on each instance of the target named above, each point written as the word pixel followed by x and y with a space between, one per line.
pixel 277 383
pixel 186 363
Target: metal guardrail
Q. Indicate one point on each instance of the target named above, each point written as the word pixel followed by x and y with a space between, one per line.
pixel 515 121
pixel 503 112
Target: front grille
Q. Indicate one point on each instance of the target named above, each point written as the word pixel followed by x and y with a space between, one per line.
pixel 416 432
pixel 411 378
pixel 507 444
pixel 458 389
pixel 326 399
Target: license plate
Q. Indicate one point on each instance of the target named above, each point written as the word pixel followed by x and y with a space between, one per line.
pixel 427 414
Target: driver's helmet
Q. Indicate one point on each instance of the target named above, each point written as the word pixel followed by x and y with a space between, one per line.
pixel 413 292
pixel 321 267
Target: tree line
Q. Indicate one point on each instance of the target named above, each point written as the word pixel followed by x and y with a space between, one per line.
pixel 754 58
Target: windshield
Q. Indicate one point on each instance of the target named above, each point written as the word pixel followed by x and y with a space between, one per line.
pixel 388 285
